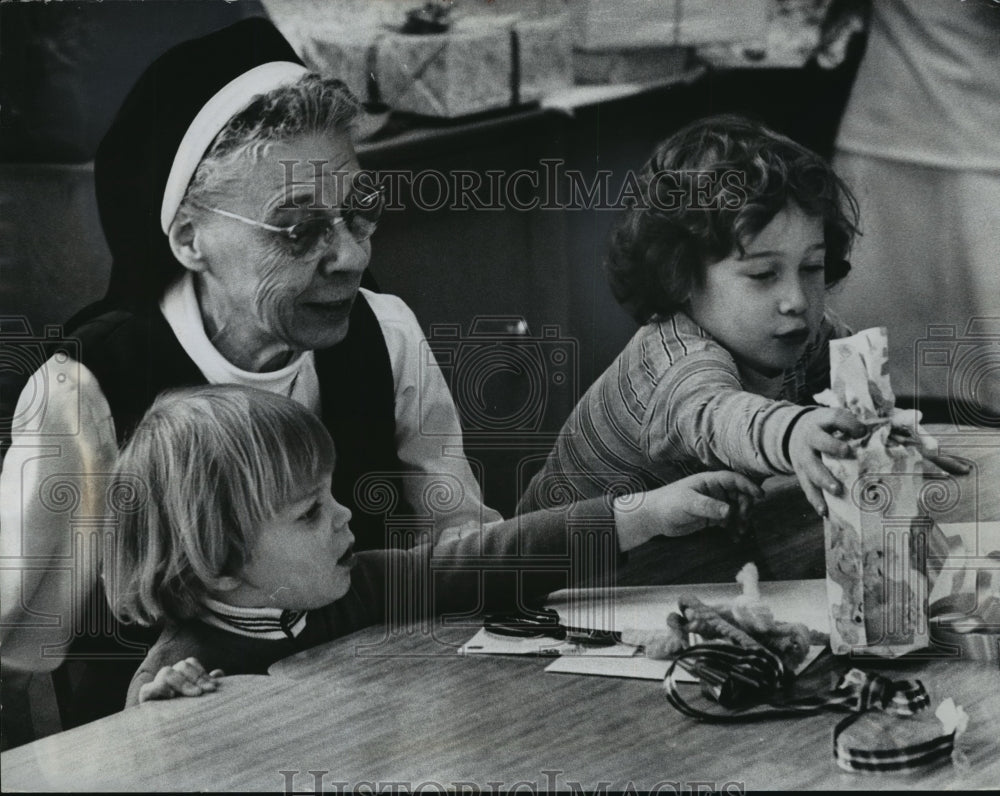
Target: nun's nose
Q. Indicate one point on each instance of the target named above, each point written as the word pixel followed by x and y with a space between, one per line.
pixel 343 254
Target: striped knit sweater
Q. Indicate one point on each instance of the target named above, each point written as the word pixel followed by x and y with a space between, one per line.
pixel 674 403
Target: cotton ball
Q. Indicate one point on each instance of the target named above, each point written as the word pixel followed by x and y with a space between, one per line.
pixel 749 579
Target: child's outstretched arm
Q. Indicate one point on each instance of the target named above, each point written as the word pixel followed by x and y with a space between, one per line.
pixel 702 413
pixel 185 678
pixel 684 507
pixel 812 434
pixel 517 561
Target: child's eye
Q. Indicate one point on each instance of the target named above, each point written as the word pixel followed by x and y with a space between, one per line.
pixel 311 513
pixel 760 276
pixel 813 268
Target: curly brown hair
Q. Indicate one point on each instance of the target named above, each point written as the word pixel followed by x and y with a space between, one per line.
pixel 706 192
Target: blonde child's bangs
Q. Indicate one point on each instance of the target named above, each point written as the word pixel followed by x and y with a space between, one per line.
pixel 287 450
pixel 262 451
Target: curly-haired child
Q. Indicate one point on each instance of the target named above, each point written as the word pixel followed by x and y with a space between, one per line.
pixel 725 261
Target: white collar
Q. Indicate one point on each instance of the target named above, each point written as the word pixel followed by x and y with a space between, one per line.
pixel 273 624
pixel 179 306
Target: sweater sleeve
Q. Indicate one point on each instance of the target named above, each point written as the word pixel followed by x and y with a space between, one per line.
pixel 63 446
pixel 701 411
pixel 502 566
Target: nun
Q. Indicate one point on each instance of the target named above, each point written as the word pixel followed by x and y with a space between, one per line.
pixel 240 225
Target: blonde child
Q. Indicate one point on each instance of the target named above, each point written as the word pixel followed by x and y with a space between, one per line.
pixel 234 540
pixel 725 262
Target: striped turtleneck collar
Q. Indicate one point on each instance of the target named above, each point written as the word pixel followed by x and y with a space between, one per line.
pixel 273 624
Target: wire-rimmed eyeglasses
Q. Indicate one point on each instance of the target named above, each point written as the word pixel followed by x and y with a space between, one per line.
pixel 360 215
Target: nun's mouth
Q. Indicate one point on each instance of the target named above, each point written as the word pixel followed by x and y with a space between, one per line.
pixel 330 307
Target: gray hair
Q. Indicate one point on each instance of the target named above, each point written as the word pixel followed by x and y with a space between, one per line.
pixel 313 104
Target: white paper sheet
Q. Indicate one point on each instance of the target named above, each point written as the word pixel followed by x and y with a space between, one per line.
pixel 639 667
pixel 645 608
pixel 485 643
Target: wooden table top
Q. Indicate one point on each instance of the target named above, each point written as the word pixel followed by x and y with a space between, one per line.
pixel 407 709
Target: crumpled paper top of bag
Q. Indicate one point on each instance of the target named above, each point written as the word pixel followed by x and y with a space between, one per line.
pixel 859 382
pixel 859 378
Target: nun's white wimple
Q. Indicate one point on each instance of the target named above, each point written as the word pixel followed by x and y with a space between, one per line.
pixel 223 106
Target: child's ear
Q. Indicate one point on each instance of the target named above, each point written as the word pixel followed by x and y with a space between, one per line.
pixel 185 243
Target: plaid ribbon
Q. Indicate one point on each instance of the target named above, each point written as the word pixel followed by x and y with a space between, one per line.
pixel 746 685
pixel 860 692
pixel 905 758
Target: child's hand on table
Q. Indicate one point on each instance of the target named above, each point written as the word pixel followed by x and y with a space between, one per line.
pixel 184 678
pixel 812 435
pixel 699 501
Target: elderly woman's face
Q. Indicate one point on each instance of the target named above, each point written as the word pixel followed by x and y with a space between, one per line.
pixel 259 289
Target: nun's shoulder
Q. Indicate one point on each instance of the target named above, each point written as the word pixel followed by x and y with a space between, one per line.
pixel 390 310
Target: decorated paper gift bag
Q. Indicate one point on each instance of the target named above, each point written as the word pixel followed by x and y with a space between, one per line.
pixel 876 532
